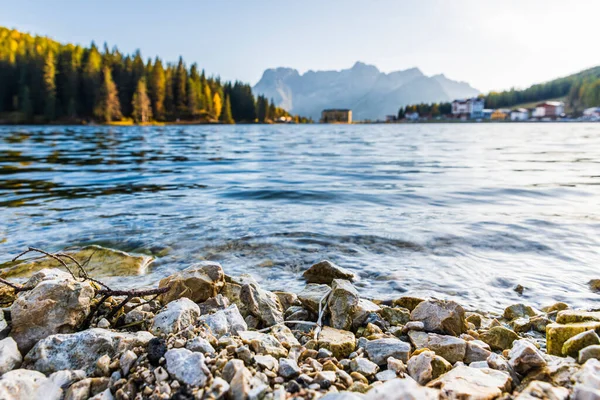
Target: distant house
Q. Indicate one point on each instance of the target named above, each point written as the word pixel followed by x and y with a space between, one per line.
pixel 336 116
pixel 592 113
pixel 487 113
pixel 500 114
pixel 390 118
pixel 468 108
pixel 549 109
pixel 520 114
pixel 412 116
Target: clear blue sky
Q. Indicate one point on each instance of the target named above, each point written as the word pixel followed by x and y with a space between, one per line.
pixel 490 44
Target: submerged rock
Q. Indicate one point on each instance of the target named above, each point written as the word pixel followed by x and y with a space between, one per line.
pixel 325 272
pixel 175 317
pixel 198 282
pixel 53 306
pixel 81 350
pixel 446 317
pixel 518 311
pixel 99 262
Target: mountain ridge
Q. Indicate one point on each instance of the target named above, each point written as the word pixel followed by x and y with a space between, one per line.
pixel 370 93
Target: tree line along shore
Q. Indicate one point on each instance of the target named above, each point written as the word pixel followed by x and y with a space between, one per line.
pixel 44 81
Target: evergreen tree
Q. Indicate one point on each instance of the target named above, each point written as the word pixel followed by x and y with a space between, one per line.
pixel 179 89
pixel 25 104
pixel 142 109
pixel 50 87
pixel 157 89
pixel 108 107
pixel 226 117
pixel 217 105
pixel 91 78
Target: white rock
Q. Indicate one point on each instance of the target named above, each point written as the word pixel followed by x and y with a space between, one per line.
pixel 10 357
pixel 225 321
pixel 126 361
pixel 23 384
pixel 465 382
pixel 187 367
pixel 363 366
pixel 81 350
pixel 401 389
pixel 66 378
pixel 175 317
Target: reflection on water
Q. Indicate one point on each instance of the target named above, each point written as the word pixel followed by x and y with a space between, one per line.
pixel 464 211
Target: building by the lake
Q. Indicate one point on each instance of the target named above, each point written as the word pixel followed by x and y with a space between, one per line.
pixel 468 108
pixel 549 110
pixel 336 116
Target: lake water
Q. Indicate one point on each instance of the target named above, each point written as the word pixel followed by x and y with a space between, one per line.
pixel 460 211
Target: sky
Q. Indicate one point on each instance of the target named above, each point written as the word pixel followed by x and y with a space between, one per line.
pixel 493 45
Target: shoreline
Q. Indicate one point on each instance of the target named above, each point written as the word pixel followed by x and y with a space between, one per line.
pixel 205 335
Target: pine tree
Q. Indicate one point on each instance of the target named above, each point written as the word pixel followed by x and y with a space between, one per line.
pixel 142 109
pixel 179 89
pixel 158 89
pixel 91 77
pixel 25 104
pixel 226 117
pixel 49 87
pixel 217 105
pixel 108 107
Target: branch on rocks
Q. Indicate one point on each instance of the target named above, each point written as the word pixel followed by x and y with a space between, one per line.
pixel 106 292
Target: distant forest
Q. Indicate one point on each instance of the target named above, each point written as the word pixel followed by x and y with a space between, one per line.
pixel 44 81
pixel 579 91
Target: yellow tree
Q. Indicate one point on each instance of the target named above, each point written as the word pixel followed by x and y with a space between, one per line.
pixel 217 105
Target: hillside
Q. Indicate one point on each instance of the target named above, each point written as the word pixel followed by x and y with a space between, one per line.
pixel 370 93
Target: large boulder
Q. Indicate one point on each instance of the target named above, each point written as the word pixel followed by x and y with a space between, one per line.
pixel 342 303
pixel 578 342
pixel 325 272
pixel 22 384
pixel 558 333
pixel 81 350
pixel 465 382
pixel 10 357
pixel 262 304
pixel 175 317
pixel 53 306
pixel 445 317
pixel 587 381
pixel 225 321
pixel 198 282
pixel 187 367
pixel 380 350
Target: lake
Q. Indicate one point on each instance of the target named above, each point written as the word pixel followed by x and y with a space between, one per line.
pixel 455 211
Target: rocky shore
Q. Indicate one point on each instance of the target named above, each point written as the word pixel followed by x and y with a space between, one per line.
pixel 214 336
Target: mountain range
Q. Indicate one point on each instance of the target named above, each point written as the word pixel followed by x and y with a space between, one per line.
pixel 368 92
